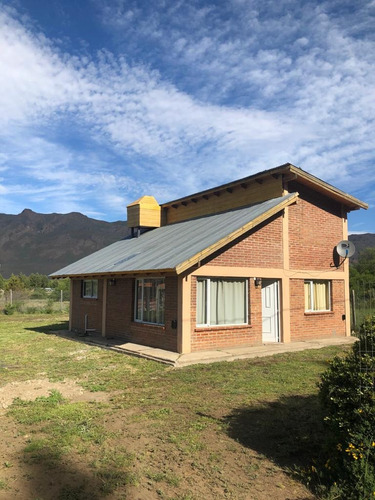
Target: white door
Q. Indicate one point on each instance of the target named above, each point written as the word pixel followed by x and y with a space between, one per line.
pixel 270 311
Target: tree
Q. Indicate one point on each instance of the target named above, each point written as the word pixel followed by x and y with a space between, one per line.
pixel 15 283
pixel 37 280
pixel 364 268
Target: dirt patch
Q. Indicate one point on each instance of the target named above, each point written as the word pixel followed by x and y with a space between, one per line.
pixel 29 390
pixel 168 462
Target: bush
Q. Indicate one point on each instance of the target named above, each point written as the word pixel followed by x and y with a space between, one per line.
pixel 9 309
pixel 48 309
pixel 347 393
pixel 38 293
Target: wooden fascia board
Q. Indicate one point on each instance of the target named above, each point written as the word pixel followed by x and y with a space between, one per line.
pixel 285 170
pixel 327 189
pixel 236 234
pixel 114 274
pixel 258 177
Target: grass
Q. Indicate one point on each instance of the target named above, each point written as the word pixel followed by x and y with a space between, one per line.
pixel 224 430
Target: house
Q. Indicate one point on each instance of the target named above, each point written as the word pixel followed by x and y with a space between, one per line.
pixel 245 263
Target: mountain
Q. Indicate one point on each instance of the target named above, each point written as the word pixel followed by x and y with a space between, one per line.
pixel 43 243
pixel 361 241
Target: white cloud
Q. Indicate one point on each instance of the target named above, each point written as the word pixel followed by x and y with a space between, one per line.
pixel 233 92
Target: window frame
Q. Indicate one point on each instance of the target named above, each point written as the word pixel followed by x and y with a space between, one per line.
pixel 141 320
pixel 94 289
pixel 208 323
pixel 311 283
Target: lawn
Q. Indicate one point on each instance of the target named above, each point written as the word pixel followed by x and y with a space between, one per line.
pixel 88 423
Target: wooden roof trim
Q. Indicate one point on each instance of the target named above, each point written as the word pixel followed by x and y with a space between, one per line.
pixel 330 191
pixel 231 237
pixel 114 274
pixel 286 171
pixel 258 177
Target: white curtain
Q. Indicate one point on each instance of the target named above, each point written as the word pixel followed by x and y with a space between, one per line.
pixel 317 296
pixel 227 302
pixel 307 296
pixel 321 300
pixel 201 302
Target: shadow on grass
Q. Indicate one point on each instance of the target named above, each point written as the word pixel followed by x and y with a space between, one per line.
pixel 55 478
pixel 50 329
pixel 289 431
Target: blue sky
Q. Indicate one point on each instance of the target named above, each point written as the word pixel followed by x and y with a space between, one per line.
pixel 102 101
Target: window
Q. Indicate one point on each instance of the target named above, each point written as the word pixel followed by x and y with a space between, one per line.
pixel 90 289
pixel 149 300
pixel 317 295
pixel 221 301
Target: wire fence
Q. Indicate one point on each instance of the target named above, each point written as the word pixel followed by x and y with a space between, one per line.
pixel 362 303
pixel 46 301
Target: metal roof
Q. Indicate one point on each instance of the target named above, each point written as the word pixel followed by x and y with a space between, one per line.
pixel 169 247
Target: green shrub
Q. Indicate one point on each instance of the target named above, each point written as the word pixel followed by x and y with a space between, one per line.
pixel 48 309
pixel 38 293
pixel 32 310
pixel 9 309
pixel 347 394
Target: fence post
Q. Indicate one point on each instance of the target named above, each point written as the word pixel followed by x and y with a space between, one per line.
pixel 353 310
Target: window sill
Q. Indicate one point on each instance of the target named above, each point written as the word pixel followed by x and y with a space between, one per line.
pixel 319 313
pixel 149 325
pixel 221 327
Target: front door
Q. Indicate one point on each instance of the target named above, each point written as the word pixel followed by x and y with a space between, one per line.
pixel 270 311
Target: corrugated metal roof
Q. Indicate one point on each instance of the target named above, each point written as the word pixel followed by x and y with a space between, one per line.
pixel 168 247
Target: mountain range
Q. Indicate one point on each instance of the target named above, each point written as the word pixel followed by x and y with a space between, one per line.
pixel 44 243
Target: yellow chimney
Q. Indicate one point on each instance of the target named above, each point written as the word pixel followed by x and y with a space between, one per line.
pixel 144 212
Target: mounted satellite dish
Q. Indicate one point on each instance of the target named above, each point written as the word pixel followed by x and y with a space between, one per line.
pixel 345 248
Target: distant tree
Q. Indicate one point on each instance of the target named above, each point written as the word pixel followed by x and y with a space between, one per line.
pixel 2 282
pixel 366 262
pixel 15 283
pixel 24 280
pixel 61 285
pixel 37 280
pixel 363 269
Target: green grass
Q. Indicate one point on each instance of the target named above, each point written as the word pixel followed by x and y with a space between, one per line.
pixel 3 485
pixel 160 427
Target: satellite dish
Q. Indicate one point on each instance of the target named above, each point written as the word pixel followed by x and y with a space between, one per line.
pixel 345 248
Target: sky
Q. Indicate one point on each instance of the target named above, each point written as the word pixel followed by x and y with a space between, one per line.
pixel 104 101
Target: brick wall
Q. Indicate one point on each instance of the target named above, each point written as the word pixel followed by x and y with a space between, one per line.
pixel 91 307
pixel 263 247
pixel 120 307
pixel 163 337
pixel 305 326
pixel 315 228
pixel 120 314
pixel 229 336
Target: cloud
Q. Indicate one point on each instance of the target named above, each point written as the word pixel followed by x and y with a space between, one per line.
pixel 302 61
pixel 218 92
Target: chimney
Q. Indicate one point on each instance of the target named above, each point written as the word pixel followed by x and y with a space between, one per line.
pixel 143 214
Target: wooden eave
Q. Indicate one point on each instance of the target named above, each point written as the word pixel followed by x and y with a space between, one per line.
pixel 328 190
pixel 151 272
pixel 286 172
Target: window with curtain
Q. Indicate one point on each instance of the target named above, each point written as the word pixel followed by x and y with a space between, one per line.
pixel 149 300
pixel 317 295
pixel 90 289
pixel 221 301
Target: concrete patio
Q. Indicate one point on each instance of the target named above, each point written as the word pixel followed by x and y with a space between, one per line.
pixel 210 356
